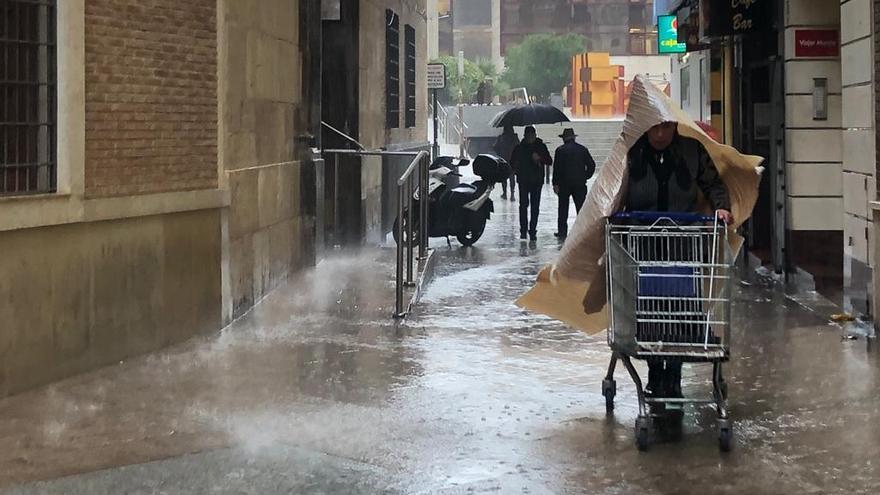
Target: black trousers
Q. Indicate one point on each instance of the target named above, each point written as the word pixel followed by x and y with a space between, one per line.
pixel 578 194
pixel 529 202
pixel 664 377
pixel 512 181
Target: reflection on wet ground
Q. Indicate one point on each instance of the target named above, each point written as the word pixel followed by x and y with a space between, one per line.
pixel 318 391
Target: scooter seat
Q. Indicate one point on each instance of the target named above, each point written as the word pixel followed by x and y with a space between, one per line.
pixel 464 189
pixel 460 195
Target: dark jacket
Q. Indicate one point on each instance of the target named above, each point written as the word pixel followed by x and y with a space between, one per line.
pixel 505 144
pixel 671 180
pixel 527 171
pixel 573 165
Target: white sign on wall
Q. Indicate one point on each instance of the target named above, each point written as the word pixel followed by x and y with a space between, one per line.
pixel 436 76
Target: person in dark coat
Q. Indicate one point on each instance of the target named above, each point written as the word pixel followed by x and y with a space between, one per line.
pixel 667 173
pixel 481 93
pixel 528 161
pixel 504 146
pixel 572 168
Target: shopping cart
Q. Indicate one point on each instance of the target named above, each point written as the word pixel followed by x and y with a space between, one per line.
pixel 669 284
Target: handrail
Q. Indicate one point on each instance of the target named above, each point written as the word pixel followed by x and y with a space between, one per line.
pixel 372 152
pixel 406 190
pixel 405 207
pixel 412 166
pixel 344 135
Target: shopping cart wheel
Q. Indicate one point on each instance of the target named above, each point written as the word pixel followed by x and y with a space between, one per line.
pixel 725 435
pixel 643 429
pixel 609 390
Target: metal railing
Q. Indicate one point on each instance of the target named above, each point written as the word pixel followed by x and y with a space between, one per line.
pixel 414 178
pixel 406 189
pixel 456 124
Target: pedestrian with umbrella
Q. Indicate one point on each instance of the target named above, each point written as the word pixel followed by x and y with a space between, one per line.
pixel 572 168
pixel 529 158
pixel 531 114
pixel 504 146
pixel 528 161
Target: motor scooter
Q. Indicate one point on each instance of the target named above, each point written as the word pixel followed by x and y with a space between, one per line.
pixel 460 211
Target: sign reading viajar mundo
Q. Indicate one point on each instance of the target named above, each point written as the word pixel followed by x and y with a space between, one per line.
pixel 816 43
pixel 667 35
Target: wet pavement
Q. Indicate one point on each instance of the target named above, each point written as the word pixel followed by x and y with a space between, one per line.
pixel 318 391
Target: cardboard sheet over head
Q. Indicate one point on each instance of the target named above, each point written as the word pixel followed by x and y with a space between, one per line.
pixel 577 279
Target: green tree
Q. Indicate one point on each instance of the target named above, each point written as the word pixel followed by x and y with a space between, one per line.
pixel 468 84
pixel 542 63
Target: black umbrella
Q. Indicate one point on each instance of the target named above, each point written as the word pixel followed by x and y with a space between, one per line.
pixel 531 114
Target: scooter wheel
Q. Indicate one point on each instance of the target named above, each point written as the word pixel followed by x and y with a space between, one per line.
pixel 472 234
pixel 415 239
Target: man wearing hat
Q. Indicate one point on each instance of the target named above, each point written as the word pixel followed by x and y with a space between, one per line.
pixel 572 168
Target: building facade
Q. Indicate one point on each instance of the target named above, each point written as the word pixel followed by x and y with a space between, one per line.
pixel 159 170
pixel 484 29
pixel 374 91
pixel 800 91
pixel 618 27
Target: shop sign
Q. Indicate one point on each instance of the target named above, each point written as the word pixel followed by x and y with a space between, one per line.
pixel 816 43
pixel 667 35
pixel 731 17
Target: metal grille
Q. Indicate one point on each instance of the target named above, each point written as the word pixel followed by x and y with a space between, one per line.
pixel 670 289
pixel 410 75
pixel 392 69
pixel 27 96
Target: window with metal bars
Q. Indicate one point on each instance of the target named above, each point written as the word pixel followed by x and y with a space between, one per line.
pixel 410 75
pixel 392 69
pixel 27 97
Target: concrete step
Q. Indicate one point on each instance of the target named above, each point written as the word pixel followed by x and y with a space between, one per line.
pixel 598 136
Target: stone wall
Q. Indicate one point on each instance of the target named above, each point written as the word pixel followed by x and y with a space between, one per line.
pixel 180 199
pixel 874 248
pixel 84 295
pixel 378 177
pixel 813 152
pixel 859 156
pixel 126 258
pixel 151 96
pixel 373 133
pixel 260 102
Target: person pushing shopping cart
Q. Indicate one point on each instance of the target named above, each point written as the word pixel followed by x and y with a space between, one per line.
pixel 669 273
pixel 650 256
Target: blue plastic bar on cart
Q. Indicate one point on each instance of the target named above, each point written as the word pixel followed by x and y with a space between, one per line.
pixel 653 216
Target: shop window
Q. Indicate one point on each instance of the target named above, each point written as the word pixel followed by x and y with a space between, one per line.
pixel 526 13
pixel 637 16
pixel 392 69
pixel 27 97
pixel 410 75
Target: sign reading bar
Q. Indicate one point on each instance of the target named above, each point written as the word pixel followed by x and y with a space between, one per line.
pixel 816 43
pixel 436 76
pixel 667 35
pixel 730 17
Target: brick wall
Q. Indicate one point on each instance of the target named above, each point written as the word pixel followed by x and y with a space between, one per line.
pixel 151 96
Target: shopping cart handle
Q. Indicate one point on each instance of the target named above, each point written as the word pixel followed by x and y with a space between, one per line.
pixel 653 216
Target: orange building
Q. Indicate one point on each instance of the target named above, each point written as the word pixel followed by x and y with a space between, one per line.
pixel 597 86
